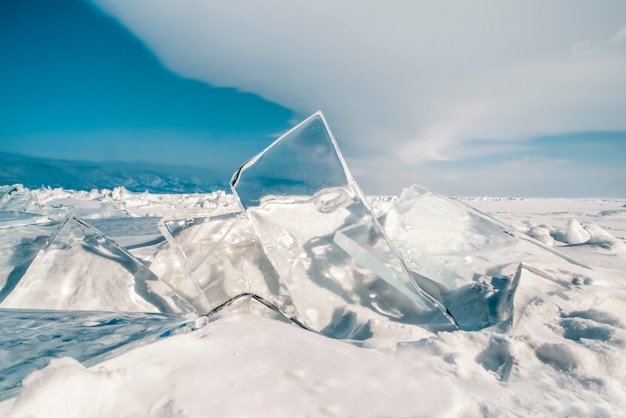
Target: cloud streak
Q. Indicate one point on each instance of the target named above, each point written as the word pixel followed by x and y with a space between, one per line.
pixel 404 82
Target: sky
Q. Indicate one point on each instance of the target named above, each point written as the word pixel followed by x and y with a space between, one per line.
pixel 77 85
pixel 466 98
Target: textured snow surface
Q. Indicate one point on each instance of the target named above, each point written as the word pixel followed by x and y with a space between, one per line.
pixel 565 355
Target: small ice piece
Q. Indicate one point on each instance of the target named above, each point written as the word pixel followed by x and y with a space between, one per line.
pixel 20 207
pixel 222 254
pixel 19 199
pixel 311 218
pixel 83 269
pixel 4 189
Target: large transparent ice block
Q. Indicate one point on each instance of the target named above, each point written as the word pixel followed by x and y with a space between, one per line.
pixel 311 218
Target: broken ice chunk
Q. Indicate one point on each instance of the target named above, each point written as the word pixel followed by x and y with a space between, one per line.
pixel 311 218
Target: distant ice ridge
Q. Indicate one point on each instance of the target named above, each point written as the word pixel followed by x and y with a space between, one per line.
pixel 34 172
pixel 298 237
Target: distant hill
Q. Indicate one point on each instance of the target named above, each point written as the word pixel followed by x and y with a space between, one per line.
pixel 35 172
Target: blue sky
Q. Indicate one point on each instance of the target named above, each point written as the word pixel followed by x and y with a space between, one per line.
pixel 468 99
pixel 77 85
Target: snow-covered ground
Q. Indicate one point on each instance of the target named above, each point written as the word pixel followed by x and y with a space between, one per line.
pixel 565 354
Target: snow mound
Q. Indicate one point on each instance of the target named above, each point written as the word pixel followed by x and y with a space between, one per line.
pixel 603 239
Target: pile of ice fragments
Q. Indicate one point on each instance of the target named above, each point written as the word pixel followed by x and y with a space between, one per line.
pixel 303 245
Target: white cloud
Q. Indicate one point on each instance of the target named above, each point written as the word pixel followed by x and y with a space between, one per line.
pixel 404 81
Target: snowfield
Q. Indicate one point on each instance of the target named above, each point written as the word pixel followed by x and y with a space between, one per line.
pixel 565 354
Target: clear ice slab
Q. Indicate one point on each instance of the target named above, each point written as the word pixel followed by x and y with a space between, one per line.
pixel 344 276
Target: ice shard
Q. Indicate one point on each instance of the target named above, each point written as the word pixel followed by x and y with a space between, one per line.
pixel 222 254
pixel 311 218
pixel 471 258
pixel 24 231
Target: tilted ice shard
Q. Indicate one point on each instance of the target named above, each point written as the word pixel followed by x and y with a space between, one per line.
pixel 222 254
pixel 83 269
pixel 344 276
pixel 18 247
pixel 471 257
